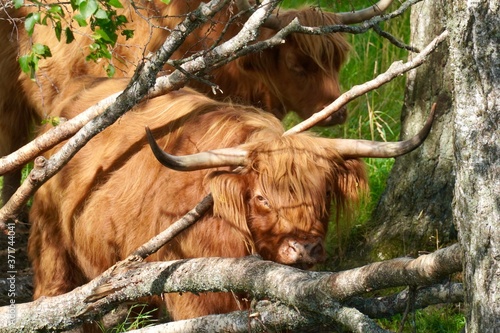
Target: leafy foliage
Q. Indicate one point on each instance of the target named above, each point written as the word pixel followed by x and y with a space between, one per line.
pixel 99 15
pixel 29 62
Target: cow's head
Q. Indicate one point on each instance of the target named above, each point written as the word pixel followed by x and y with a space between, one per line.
pixel 279 190
pixel 303 72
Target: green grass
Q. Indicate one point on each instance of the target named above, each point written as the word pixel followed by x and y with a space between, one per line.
pixel 138 316
pixel 376 115
pixel 435 319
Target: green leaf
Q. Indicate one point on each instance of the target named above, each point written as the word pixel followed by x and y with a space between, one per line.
pixel 54 121
pixel 74 4
pixel 121 20
pixel 31 20
pixel 18 3
pixel 101 14
pixel 44 20
pixel 165 1
pixel 58 30
pixel 69 35
pixel 56 9
pixel 128 34
pixel 82 22
pixel 94 47
pixel 87 8
pixel 105 53
pixel 115 3
pixel 41 50
pixel 110 70
pixel 101 34
pixel 24 63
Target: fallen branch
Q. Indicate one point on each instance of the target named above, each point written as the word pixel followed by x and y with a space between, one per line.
pixel 383 307
pixel 268 317
pixel 315 292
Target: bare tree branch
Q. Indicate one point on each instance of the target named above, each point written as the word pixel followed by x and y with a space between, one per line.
pixel 382 307
pixel 315 292
pixel 393 39
pixel 142 82
pixel 173 230
pixel 267 317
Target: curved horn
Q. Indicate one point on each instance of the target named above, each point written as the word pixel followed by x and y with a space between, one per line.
pixel 364 14
pixel 364 148
pixel 204 160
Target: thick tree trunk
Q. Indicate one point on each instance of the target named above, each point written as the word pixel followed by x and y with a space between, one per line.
pixel 475 58
pixel 455 177
pixel 415 211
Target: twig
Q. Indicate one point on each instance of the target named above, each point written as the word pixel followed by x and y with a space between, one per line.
pixel 393 40
pixel 410 302
pixel 173 230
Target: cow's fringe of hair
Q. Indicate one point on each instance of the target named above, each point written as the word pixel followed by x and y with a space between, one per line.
pixel 333 45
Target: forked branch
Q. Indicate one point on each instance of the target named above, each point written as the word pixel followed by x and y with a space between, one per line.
pixel 311 293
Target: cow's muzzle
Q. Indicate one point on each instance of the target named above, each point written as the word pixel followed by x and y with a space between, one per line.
pixel 302 253
pixel 337 118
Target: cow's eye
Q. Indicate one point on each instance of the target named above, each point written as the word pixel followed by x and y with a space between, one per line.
pixel 262 201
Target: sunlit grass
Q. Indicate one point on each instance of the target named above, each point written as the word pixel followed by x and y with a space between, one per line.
pixel 435 319
pixel 138 316
pixel 376 115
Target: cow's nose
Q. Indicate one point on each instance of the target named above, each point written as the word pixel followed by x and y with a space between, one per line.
pixel 308 251
pixel 338 118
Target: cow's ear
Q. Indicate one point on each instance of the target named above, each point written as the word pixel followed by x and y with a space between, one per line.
pixel 229 193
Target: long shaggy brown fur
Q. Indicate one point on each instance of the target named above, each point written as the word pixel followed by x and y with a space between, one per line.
pixel 114 195
pixel 300 75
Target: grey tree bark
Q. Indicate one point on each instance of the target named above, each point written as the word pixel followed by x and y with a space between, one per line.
pixel 308 298
pixel 475 60
pixel 454 180
pixel 415 211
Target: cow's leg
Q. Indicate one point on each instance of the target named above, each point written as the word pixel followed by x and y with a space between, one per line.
pixel 55 271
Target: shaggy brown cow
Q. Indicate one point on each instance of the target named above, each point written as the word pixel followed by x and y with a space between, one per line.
pixel 272 193
pixel 300 75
